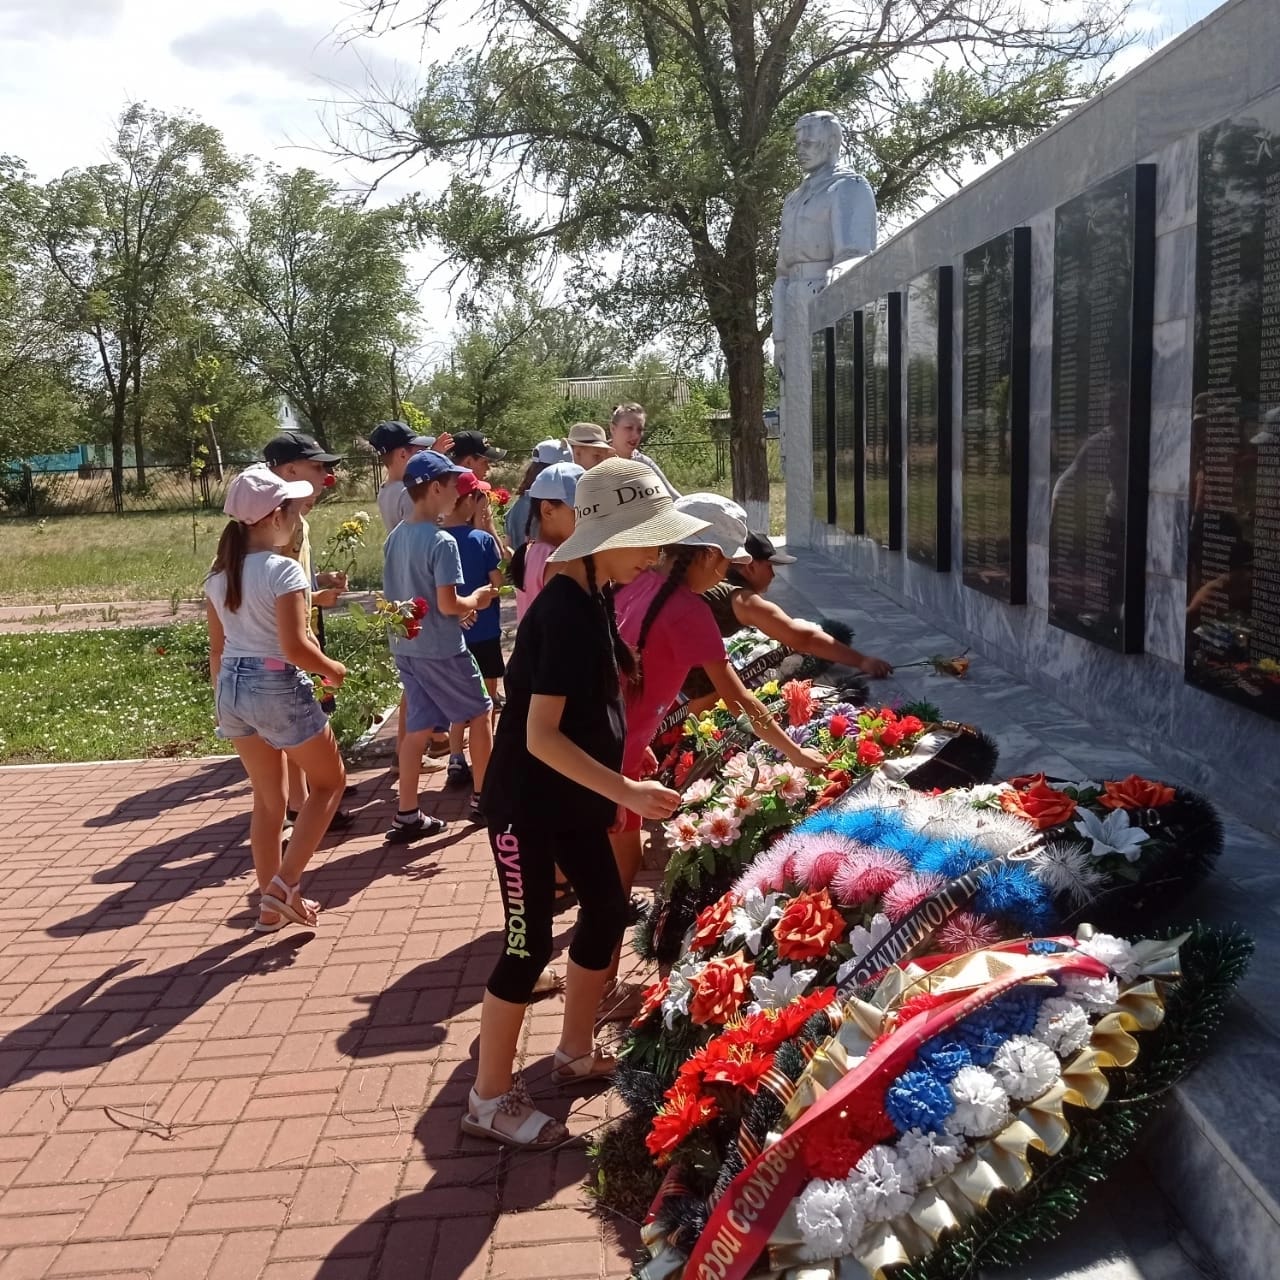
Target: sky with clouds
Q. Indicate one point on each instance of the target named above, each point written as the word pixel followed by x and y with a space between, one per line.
pixel 261 70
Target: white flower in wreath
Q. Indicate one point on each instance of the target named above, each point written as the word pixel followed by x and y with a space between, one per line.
pixel 1067 868
pixel 749 920
pixel 1111 834
pixel 824 1214
pixel 982 1106
pixel 863 940
pixel 785 986
pixel 1094 995
pixel 741 768
pixel 986 793
pixel 1024 1068
pixel 700 791
pixel 928 1156
pixel 679 989
pixel 1114 952
pixel 1062 1025
pixel 879 1188
pixel 720 827
pixel 789 783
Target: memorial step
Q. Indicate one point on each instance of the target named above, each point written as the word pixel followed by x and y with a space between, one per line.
pixel 1213 1186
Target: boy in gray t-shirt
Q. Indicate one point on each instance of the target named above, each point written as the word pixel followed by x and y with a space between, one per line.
pixel 442 684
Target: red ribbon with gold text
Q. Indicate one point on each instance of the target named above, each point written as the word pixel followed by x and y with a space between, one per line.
pixel 755 1201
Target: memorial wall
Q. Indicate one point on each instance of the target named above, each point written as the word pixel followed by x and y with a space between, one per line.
pixel 1054 420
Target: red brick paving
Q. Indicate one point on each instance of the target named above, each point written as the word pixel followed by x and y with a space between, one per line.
pixel 180 1097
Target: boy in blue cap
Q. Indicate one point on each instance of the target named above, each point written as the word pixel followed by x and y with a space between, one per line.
pixel 442 684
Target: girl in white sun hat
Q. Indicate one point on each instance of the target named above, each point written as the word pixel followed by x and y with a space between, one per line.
pixel 553 789
pixel 260 648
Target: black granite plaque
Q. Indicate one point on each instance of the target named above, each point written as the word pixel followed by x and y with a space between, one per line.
pixel 1103 276
pixel 848 341
pixel 1233 569
pixel 882 418
pixel 928 426
pixel 822 418
pixel 996 372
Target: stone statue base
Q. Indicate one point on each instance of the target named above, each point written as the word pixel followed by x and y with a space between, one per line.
pixel 795 411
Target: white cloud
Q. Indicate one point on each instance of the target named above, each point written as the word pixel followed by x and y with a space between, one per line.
pixel 30 20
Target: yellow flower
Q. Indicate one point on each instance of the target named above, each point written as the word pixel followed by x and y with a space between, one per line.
pixel 720 706
pixel 705 728
pixel 769 688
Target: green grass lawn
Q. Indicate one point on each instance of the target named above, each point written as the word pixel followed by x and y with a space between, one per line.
pixel 145 555
pixel 143 691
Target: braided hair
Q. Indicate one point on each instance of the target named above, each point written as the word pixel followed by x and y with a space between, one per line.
pixel 679 558
pixel 625 659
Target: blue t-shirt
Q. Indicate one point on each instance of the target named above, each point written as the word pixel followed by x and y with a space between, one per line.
pixel 417 558
pixel 481 555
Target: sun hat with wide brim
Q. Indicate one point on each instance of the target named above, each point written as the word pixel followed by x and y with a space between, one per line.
pixel 621 503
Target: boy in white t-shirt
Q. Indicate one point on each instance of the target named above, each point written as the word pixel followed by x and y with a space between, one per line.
pixel 395 443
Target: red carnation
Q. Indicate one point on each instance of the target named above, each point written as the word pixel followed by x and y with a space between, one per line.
pixel 869 753
pixel 411 628
pixel 838 726
pixel 891 735
pixel 911 725
pixel 420 606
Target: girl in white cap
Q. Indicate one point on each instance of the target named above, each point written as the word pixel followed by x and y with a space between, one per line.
pixel 259 650
pixel 553 789
pixel 551 521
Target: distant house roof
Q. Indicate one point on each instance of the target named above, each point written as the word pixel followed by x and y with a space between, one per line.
pixel 671 388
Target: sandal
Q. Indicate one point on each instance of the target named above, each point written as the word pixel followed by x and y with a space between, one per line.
pixel 288 903
pixel 584 1069
pixel 549 982
pixel 513 1120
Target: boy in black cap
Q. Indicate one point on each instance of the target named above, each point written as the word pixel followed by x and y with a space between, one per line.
pixel 395 443
pixel 473 451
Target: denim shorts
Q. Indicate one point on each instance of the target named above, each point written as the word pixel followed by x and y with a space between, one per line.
pixel 274 701
pixel 439 692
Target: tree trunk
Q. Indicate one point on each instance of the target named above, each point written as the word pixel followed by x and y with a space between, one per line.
pixel 139 460
pixel 748 453
pixel 215 449
pixel 117 451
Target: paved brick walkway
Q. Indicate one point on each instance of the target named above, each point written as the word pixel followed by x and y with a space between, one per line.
pixel 182 1098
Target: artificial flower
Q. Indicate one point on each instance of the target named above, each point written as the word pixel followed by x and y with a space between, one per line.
pixel 741 768
pixel 911 725
pixel 788 782
pixel 982 1106
pixel 867 875
pixel 798 697
pixel 966 931
pixel 824 1215
pixel 786 985
pixel 769 872
pixel 720 827
pixel 1039 803
pixel 741 1067
pixel 928 1156
pixel 808 927
pixel 838 726
pixel 700 791
pixel 677 1119
pixel 1136 793
pixel 717 993
pixel 869 753
pixel 712 923
pixel 1066 869
pixel 864 940
pixel 653 997
pixel 752 916
pixel 1025 1067
pixel 819 858
pixel 1094 995
pixel 891 736
pixel 742 801
pixel 420 607
pixel 683 765
pixel 769 688
pixel 1114 952
pixel 1111 834
pixel 679 990
pixel 905 895
pixel 919 1100
pixel 1062 1025
pixel 682 833
pixel 877 1186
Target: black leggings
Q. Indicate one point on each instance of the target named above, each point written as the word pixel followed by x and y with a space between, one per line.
pixel 526 859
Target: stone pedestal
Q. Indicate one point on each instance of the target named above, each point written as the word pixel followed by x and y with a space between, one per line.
pixel 795 412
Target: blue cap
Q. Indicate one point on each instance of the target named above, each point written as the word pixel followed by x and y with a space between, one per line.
pixel 428 465
pixel 559 482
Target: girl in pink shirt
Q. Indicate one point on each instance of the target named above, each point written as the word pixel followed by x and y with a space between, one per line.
pixel 552 493
pixel 663 616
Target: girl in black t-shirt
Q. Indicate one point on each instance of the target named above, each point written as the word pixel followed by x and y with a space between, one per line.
pixel 553 788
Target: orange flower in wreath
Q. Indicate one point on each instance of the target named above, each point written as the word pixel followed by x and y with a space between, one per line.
pixel 653 998
pixel 718 991
pixel 1039 803
pixel 1135 793
pixel 712 923
pixel 808 927
pixel 798 695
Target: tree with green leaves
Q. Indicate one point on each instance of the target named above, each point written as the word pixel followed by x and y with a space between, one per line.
pixel 122 240
pixel 657 135
pixel 318 301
